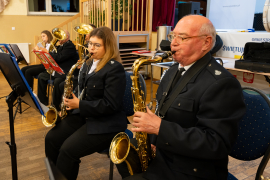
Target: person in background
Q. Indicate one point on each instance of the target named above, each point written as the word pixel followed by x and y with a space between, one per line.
pixel 33 70
pixel 65 57
pixel 199 107
pixel 98 114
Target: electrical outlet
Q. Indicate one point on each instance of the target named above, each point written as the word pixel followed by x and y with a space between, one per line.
pixel 13 28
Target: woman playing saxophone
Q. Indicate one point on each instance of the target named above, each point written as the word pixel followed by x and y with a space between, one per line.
pixel 97 116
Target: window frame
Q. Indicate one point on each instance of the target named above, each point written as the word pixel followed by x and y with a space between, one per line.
pixel 49 11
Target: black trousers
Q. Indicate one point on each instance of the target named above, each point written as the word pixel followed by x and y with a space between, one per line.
pixel 68 141
pixel 30 71
pixel 42 87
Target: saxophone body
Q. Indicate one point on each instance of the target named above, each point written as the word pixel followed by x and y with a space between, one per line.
pixel 136 158
pixel 68 88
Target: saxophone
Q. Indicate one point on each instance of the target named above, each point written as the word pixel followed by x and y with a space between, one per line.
pixel 68 88
pixel 137 159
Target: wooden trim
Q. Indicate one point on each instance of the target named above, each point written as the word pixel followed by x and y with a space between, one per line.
pixel 68 21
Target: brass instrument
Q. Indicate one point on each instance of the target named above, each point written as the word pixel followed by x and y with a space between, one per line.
pixel 82 29
pixel 58 34
pixel 52 115
pixel 137 159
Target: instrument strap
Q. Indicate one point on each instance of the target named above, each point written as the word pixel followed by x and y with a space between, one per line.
pixel 162 109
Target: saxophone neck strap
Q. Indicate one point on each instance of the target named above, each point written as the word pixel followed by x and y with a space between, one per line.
pixel 197 67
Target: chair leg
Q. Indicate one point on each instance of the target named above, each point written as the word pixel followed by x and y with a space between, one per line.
pixel 111 170
pixel 48 90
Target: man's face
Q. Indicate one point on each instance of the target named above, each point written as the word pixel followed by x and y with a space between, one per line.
pixel 189 49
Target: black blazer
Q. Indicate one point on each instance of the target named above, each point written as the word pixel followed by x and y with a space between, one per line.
pixel 102 102
pixel 200 127
pixel 65 57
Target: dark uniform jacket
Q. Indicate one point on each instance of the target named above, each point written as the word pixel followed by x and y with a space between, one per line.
pixel 200 127
pixel 102 100
pixel 65 57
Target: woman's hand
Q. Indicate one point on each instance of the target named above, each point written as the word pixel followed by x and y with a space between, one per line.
pixel 72 103
pixel 36 48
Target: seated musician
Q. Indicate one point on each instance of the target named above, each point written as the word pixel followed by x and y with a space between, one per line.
pixel 30 71
pixel 198 112
pixel 65 57
pixel 98 115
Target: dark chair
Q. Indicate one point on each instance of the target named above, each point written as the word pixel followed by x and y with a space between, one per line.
pixel 128 108
pixel 254 135
pixel 49 87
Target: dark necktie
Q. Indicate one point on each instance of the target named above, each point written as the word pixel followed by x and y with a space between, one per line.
pixel 177 77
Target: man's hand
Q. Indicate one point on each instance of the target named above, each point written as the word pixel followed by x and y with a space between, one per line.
pixel 72 103
pixel 146 122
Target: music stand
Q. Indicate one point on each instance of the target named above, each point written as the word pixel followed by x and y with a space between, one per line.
pixel 20 89
pixel 6 49
pixel 53 171
pixel 18 54
pixel 14 51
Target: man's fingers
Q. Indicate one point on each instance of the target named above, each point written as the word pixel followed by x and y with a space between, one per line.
pixel 148 110
pixel 136 119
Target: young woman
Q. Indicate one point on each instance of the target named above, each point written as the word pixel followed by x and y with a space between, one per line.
pixel 30 71
pixel 98 115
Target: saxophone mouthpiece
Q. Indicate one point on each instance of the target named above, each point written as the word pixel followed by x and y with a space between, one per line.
pixel 88 56
pixel 167 54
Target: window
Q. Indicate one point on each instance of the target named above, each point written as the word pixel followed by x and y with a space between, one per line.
pixel 53 7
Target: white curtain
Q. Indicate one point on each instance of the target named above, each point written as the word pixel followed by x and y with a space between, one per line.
pixel 3 3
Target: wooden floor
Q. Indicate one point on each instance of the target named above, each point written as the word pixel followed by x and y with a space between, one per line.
pixel 29 132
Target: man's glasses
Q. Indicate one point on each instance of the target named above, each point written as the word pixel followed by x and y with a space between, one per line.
pixel 96 45
pixel 179 39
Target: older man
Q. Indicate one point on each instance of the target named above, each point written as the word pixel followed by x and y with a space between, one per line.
pixel 66 56
pixel 200 105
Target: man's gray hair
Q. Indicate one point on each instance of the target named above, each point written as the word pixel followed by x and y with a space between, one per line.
pixel 209 29
pixel 67 33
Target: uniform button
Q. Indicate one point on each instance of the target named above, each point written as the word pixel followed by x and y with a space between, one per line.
pixel 167 144
pixel 86 87
pixel 179 104
pixel 195 169
pixel 209 65
pixel 86 95
pixel 94 86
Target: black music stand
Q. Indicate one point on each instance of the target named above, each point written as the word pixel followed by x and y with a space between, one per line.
pixel 20 89
pixel 18 54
